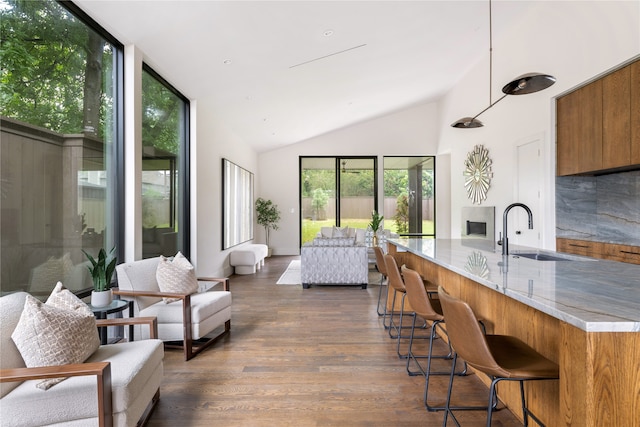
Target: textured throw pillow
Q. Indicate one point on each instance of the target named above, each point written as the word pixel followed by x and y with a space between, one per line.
pixel 340 232
pixel 177 276
pixel 60 332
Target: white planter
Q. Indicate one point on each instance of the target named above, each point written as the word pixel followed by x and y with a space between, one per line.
pixel 101 299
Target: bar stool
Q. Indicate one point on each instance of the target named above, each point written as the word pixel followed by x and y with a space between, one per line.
pixel 431 311
pixel 396 283
pixel 501 357
pixel 382 269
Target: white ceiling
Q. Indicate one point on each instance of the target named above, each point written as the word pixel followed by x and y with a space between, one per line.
pixel 287 81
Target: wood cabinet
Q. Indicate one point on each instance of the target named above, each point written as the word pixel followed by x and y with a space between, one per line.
pixel 579 247
pixel 634 75
pixel 579 136
pixel 610 251
pixel 598 125
pixel 616 119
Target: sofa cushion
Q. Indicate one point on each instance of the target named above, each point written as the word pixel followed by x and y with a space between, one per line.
pixel 139 276
pixel 177 276
pixel 340 232
pixel 60 332
pixel 10 309
pixel 334 241
pixel 136 373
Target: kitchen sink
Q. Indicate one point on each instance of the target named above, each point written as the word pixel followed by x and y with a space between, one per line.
pixel 540 257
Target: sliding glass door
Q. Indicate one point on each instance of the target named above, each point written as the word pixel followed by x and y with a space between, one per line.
pixel 409 195
pixel 336 191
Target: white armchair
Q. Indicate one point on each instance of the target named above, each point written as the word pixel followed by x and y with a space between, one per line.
pixel 188 321
pixel 119 384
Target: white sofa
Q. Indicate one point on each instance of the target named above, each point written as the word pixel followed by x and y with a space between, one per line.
pixel 131 374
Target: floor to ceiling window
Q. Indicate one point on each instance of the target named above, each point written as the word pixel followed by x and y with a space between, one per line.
pixel 165 190
pixel 409 195
pixel 336 191
pixel 60 145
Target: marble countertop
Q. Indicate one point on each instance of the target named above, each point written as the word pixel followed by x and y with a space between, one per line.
pixel 590 294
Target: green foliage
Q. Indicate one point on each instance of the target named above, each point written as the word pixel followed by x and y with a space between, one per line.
pixel 161 112
pixel 401 217
pixel 319 200
pixel 376 220
pixel 396 181
pixel 268 215
pixel 102 269
pixel 47 55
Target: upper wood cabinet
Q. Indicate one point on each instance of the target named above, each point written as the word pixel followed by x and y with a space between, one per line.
pixel 579 133
pixel 598 125
pixel 634 74
pixel 616 119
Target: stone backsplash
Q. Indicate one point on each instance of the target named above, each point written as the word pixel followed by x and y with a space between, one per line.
pixel 602 208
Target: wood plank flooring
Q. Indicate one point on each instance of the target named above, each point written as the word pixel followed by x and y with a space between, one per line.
pixel 314 357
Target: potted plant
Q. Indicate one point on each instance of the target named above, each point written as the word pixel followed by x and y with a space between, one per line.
pixel 375 224
pixel 268 217
pixel 101 272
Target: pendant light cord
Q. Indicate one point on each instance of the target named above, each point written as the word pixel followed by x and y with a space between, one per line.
pixel 490 53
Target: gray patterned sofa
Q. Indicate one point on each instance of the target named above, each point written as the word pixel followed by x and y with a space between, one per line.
pixel 334 261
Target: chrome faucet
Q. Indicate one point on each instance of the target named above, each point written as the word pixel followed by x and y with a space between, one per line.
pixel 505 239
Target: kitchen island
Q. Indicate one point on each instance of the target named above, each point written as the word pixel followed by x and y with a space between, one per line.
pixel 580 312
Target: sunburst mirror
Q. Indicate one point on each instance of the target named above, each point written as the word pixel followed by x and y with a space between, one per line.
pixel 477 174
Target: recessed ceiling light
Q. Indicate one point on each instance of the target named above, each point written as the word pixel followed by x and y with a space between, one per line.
pixel 227 62
pixel 327 33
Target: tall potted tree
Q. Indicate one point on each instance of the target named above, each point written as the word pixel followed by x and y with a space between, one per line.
pixel 268 217
pixel 101 270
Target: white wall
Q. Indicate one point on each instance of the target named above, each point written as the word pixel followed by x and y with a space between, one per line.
pixel 572 41
pixel 411 132
pixel 213 142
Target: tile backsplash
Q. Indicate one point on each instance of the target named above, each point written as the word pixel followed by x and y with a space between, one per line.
pixel 602 208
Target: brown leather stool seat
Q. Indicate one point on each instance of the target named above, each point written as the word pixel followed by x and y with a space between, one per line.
pixel 501 357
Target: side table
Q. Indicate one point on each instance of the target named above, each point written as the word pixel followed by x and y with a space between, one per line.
pixel 116 306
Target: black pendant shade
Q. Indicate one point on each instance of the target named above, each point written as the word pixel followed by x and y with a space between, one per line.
pixel 528 83
pixel 467 122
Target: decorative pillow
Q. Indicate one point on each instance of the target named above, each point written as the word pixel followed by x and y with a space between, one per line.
pixel 177 276
pixel 326 231
pixel 60 332
pixel 340 232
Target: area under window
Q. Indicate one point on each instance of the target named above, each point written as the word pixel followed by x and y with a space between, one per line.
pixel 165 190
pixel 60 133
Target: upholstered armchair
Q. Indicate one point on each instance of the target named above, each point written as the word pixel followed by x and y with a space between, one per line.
pixel 187 322
pixel 119 384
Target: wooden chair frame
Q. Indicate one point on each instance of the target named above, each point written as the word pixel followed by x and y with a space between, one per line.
pixel 190 348
pixel 101 370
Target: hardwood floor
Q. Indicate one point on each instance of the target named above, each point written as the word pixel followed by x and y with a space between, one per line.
pixel 314 357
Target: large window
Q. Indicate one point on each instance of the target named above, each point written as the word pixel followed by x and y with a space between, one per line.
pixel 165 126
pixel 60 139
pixel 409 198
pixel 336 191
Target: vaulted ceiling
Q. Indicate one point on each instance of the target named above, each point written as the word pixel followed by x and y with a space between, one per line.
pixel 280 72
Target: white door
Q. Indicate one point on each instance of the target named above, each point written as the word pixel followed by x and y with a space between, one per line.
pixel 527 190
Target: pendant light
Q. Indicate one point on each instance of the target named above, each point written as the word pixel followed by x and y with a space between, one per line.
pixel 522 85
